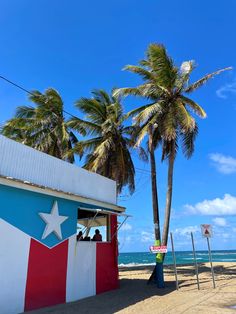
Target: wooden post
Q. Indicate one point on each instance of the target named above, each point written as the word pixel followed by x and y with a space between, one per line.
pixel 195 261
pixel 174 260
pixel 210 260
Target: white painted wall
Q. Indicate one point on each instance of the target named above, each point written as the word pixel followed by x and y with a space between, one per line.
pixel 14 252
pixel 27 164
pixel 81 270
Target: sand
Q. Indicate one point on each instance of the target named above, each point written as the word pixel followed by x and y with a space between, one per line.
pixel 135 296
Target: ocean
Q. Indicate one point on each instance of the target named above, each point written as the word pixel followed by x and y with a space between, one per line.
pixel 182 257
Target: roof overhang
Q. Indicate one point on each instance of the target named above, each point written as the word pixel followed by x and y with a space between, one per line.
pixel 98 218
pixel 93 204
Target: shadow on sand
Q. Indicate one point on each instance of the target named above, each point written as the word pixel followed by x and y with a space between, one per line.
pixel 117 300
pixel 189 270
pixel 112 301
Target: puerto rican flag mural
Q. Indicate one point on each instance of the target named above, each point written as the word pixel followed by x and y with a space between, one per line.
pixel 41 263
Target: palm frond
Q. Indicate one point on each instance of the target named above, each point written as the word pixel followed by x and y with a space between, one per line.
pixel 162 65
pixel 101 96
pixel 86 146
pixel 145 74
pixel 83 127
pixel 25 112
pixel 126 91
pixel 185 120
pixel 149 111
pixel 142 153
pixel 203 80
pixel 135 111
pixel 194 106
pixel 93 110
pixel 42 127
pixel 168 125
pixel 156 137
pixel 188 140
pixel 144 130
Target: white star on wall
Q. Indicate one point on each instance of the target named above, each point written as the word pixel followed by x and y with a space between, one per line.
pixel 53 222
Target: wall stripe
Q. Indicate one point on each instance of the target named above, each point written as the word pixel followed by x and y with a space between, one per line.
pixel 107 272
pixel 46 280
pixel 107 262
pixel 81 271
pixel 14 252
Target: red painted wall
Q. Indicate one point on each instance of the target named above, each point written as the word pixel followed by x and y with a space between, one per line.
pixel 47 270
pixel 46 279
pixel 107 262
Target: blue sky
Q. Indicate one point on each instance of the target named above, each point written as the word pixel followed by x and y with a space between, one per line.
pixel 76 46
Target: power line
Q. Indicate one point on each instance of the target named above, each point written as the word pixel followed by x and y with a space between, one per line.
pixel 68 113
pixel 29 92
pixel 134 195
pixel 143 170
pixel 16 85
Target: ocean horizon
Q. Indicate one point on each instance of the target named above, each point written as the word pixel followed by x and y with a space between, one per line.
pixel 182 257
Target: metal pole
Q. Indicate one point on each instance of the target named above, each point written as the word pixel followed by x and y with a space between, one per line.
pixel 195 261
pixel 210 259
pixel 119 227
pixel 174 260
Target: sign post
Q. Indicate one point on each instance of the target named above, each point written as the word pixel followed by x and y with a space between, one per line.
pixel 195 261
pixel 207 233
pixel 210 259
pixel 158 249
pixel 174 260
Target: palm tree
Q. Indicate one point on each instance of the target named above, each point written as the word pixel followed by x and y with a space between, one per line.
pixel 167 89
pixel 42 127
pixel 108 143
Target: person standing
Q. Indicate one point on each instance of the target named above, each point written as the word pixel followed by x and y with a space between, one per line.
pixel 97 236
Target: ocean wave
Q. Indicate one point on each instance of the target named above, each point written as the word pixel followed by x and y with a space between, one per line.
pixel 136 264
pixel 228 253
pixel 191 258
pixel 228 260
pixel 206 253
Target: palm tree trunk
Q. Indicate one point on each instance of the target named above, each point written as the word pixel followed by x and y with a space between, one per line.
pixel 169 196
pixel 155 207
pixel 157 274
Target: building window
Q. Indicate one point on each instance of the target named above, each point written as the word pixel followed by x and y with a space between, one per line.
pixel 93 225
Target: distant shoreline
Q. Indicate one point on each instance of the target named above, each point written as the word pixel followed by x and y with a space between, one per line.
pixel 136 259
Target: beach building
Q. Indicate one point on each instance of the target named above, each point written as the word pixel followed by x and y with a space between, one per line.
pixel 44 203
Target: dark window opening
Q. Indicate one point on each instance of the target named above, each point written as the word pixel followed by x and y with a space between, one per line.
pixel 93 225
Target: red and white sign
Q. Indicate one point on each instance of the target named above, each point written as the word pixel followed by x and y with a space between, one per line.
pixel 158 249
pixel 206 231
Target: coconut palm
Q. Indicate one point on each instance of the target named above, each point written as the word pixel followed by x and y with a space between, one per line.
pixel 108 143
pixel 167 88
pixel 43 126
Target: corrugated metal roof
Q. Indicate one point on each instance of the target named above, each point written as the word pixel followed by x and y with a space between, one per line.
pixel 27 164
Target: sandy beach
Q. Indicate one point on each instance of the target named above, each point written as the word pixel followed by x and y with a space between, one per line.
pixel 135 296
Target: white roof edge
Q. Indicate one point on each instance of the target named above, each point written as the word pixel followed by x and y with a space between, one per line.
pixel 24 163
pixel 60 194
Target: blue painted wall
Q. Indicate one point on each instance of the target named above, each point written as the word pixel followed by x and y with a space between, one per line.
pixel 21 208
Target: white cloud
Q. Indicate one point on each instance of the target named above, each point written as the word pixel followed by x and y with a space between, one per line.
pixel 126 227
pixel 186 230
pixel 226 89
pixel 219 221
pixel 217 206
pixel 147 237
pixel 224 164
